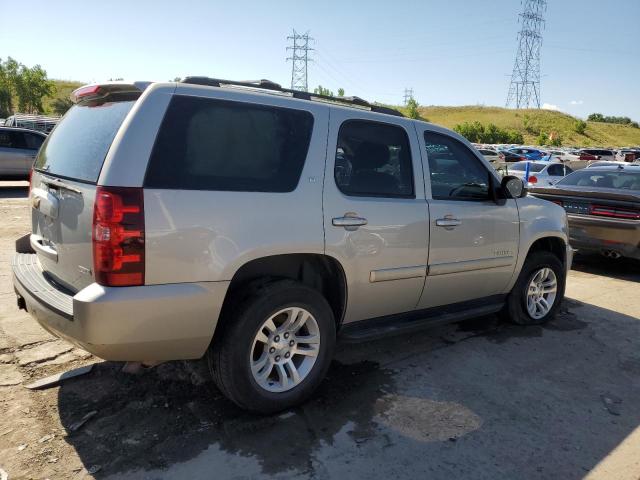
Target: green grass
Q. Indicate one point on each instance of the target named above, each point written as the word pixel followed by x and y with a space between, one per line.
pixel 547 121
pixel 63 90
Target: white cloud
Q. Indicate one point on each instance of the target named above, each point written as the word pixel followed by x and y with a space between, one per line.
pixel 549 106
pixel 576 102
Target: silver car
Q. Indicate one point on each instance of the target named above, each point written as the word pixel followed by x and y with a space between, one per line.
pixel 18 149
pixel 254 225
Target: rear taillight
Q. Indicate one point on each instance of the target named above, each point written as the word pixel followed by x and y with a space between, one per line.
pixel 614 212
pixel 118 236
pixel 86 91
pixel 533 179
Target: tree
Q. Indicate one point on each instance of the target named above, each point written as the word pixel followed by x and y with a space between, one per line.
pixel 320 90
pixel 27 86
pixel 32 86
pixel 542 139
pixel 478 133
pixel 341 92
pixel 580 127
pixel 8 74
pixel 61 105
pixel 412 109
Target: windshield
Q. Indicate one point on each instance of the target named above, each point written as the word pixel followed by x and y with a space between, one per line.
pixel 603 179
pixel 522 166
pixel 79 144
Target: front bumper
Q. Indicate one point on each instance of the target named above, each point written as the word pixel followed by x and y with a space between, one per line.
pixel 146 323
pixel 592 234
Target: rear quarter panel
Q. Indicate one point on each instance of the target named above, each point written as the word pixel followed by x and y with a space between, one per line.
pixel 195 236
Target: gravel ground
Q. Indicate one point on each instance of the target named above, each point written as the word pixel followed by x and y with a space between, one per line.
pixel 475 400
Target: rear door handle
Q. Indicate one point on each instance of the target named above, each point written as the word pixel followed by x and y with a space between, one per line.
pixel 349 221
pixel 448 222
pixel 39 245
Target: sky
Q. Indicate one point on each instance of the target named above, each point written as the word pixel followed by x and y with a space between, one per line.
pixel 450 52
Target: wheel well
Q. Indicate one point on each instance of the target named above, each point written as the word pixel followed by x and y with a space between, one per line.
pixel 320 272
pixel 554 245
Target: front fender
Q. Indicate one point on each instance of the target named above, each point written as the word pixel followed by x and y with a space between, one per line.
pixel 539 219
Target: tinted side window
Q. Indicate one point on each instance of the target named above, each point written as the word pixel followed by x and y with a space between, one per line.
pixel 373 159
pixel 555 170
pixel 207 144
pixel 33 141
pixel 5 139
pixel 9 139
pixel 455 172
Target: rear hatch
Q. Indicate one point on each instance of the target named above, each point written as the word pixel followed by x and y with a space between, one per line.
pixel 64 183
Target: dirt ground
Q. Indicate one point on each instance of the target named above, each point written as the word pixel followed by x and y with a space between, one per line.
pixel 478 399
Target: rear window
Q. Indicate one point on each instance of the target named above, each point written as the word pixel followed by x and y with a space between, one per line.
pixel 603 179
pixel 207 144
pixel 77 147
pixel 521 167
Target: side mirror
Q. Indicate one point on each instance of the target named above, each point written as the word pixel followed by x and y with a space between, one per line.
pixel 513 187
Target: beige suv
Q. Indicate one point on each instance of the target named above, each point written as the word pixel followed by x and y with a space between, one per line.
pixel 256 224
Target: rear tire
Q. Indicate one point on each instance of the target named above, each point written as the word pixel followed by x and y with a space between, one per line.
pixel 274 347
pixel 538 292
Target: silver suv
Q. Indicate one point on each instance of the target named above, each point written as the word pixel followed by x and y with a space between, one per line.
pixel 18 149
pixel 256 224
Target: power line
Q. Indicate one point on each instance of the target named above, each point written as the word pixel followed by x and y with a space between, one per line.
pixel 524 89
pixel 408 95
pixel 299 60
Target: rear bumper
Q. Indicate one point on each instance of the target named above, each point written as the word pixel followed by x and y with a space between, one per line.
pixel 593 234
pixel 147 323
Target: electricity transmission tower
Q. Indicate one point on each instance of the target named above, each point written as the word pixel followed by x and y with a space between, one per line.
pixel 524 90
pixel 408 95
pixel 299 60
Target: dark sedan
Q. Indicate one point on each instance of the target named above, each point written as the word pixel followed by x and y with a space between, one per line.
pixel 506 156
pixel 603 207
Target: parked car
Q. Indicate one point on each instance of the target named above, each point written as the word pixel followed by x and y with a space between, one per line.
pixel 540 173
pixel 18 149
pixel 607 164
pixel 603 205
pixel 506 156
pixel 489 155
pixel 207 218
pixel 528 153
pixel 41 123
pixel 600 154
pixel 626 155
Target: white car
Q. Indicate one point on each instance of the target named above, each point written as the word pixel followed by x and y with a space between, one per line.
pixel 541 174
pixel 627 155
pixel 490 155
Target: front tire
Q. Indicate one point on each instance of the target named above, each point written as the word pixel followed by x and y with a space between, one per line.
pixel 538 292
pixel 274 348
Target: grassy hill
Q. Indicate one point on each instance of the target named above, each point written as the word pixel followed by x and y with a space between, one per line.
pixel 531 121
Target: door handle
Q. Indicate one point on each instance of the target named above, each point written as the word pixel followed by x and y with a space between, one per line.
pixel 349 221
pixel 37 243
pixel 448 222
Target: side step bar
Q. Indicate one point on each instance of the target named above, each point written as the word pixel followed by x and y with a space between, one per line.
pixel 366 330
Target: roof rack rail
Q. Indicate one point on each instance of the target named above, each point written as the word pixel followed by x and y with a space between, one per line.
pixel 264 84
